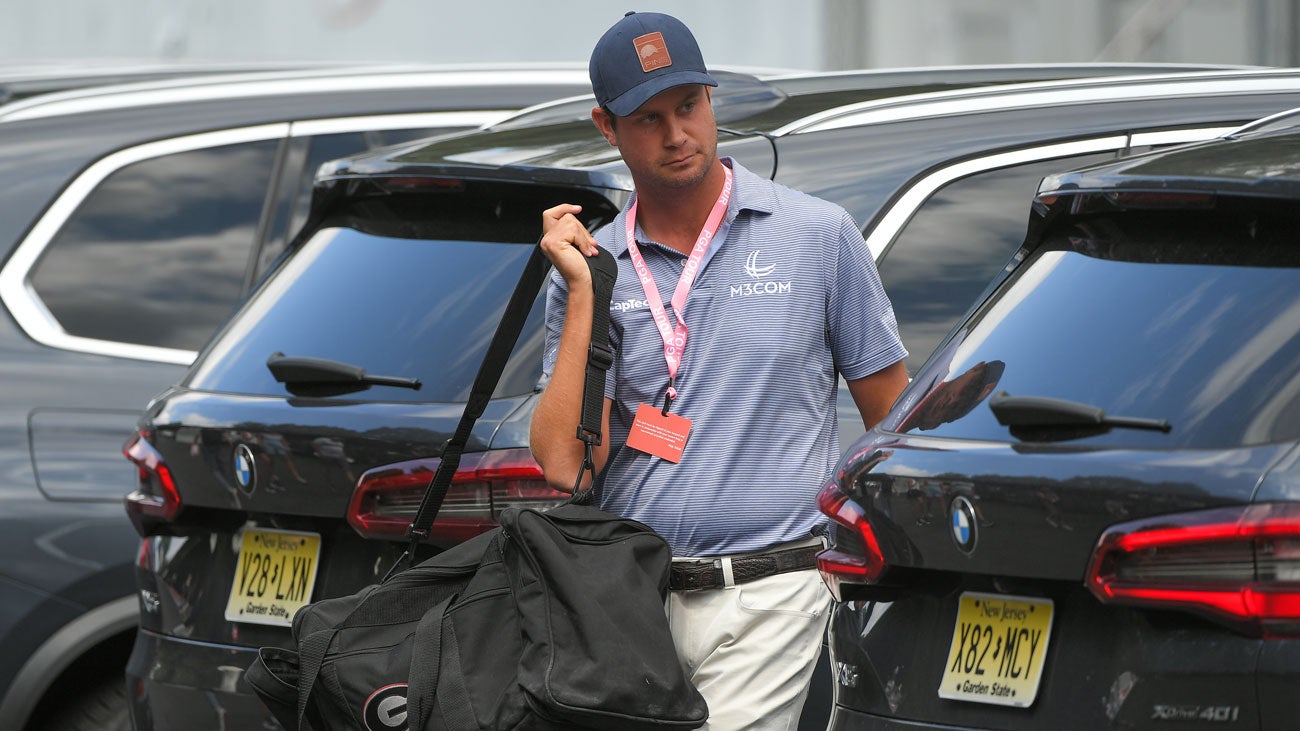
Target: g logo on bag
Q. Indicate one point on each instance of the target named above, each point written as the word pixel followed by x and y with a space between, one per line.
pixel 385 709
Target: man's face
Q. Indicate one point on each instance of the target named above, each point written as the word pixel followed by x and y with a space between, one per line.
pixel 670 141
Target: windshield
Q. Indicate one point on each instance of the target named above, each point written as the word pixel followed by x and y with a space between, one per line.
pixel 1172 316
pixel 413 308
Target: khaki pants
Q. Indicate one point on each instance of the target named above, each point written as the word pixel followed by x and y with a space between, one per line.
pixel 751 648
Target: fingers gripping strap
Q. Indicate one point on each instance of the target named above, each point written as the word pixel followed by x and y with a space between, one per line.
pixel 604 272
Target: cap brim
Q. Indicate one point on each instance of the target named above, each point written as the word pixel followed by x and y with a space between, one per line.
pixel 632 99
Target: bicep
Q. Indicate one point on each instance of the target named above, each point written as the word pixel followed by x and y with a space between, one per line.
pixel 875 393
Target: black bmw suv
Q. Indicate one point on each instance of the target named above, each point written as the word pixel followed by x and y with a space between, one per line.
pixel 133 220
pixel 1085 510
pixel 265 484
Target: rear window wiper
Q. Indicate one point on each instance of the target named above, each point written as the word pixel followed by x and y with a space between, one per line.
pixel 1042 418
pixel 320 376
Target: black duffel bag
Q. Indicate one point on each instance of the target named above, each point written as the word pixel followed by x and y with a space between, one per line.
pixel 555 620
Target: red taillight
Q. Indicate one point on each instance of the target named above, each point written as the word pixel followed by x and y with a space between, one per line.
pixel 1239 565
pixel 156 498
pixel 837 567
pixel 486 483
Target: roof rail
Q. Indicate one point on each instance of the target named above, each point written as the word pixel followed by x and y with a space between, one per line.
pixel 334 79
pixel 1058 92
pixel 1290 119
pixel 738 94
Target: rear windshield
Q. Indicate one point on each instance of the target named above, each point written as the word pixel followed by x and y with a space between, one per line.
pixel 405 307
pixel 1189 317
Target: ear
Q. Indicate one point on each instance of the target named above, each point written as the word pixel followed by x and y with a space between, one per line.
pixel 605 125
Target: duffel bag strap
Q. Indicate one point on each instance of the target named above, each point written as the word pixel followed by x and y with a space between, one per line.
pixel 604 272
pixel 426 653
pixel 311 653
pixel 451 692
pixel 428 680
pixel 489 372
pixel 600 357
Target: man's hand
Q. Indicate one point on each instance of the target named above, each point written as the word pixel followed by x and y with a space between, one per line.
pixel 565 241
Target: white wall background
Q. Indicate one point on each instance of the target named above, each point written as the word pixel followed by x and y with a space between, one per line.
pixel 806 34
pixel 757 32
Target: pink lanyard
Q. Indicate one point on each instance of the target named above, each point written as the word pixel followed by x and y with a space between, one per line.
pixel 675 337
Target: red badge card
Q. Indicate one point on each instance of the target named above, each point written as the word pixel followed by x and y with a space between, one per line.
pixel 662 436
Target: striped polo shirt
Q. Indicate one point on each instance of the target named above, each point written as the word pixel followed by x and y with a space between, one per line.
pixel 787 296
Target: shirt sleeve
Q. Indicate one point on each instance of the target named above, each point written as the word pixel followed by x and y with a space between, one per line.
pixel 863 331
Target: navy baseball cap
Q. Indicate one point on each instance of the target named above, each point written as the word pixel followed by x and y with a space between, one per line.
pixel 643 54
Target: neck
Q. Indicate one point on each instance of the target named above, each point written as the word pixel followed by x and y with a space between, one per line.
pixel 674 216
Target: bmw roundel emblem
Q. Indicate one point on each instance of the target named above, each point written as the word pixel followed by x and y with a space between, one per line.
pixel 961 517
pixel 245 468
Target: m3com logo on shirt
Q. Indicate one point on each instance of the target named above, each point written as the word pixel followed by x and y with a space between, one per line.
pixel 758 271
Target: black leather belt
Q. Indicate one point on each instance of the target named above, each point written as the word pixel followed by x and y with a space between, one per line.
pixel 693 575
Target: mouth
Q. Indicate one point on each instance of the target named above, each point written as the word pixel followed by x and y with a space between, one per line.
pixel 680 162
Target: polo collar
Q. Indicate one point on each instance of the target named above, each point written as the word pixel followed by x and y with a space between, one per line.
pixel 749 192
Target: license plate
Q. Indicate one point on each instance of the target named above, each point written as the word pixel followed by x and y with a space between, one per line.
pixel 998 648
pixel 274 576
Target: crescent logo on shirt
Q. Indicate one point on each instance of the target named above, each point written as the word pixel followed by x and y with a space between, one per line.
pixel 754 270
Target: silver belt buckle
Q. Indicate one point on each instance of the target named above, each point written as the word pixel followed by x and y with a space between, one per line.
pixel 728 576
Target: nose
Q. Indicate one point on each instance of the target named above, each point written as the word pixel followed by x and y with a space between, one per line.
pixel 674 133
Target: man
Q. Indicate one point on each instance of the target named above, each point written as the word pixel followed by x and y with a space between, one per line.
pixel 719 423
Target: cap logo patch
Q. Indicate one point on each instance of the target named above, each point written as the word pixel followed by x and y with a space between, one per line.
pixel 651 50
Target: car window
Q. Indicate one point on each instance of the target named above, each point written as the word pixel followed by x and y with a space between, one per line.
pixel 157 254
pixel 953 246
pixel 1192 318
pixel 394 306
pixel 305 156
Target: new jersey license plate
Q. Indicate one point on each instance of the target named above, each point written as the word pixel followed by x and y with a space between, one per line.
pixel 274 576
pixel 998 648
